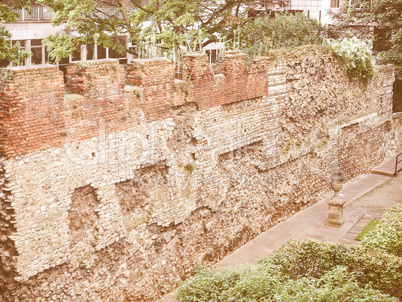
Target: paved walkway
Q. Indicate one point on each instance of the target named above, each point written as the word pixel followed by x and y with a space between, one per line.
pixel 309 223
pixel 387 167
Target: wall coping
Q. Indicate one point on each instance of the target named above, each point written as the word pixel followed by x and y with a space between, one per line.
pixel 31 67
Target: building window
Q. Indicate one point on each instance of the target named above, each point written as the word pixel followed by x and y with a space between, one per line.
pixel 37 50
pixel 335 3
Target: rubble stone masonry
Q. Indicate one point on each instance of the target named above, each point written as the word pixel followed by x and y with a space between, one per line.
pixel 113 186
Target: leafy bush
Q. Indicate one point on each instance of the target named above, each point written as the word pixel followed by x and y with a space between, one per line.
pixel 313 259
pixel 387 236
pixel 357 56
pixel 286 31
pixel 304 271
pixel 371 226
pixel 208 285
pixel 308 270
pixel 336 285
pixel 255 284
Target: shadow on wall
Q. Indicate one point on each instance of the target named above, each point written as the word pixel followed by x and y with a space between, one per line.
pixel 397 105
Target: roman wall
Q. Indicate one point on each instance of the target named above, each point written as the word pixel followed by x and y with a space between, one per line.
pixel 114 185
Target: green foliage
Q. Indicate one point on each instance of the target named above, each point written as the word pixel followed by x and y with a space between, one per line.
pixel 335 285
pixel 304 271
pixel 313 259
pixel 66 45
pixel 170 24
pixel 80 66
pixel 387 236
pixel 208 285
pixel 371 226
pixel 357 56
pixel 386 14
pixel 9 52
pixel 286 31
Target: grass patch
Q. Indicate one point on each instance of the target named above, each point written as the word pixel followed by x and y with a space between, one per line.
pixel 371 226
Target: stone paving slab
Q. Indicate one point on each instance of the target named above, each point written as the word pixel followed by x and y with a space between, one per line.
pixel 385 168
pixel 309 223
pixel 362 186
pixel 350 237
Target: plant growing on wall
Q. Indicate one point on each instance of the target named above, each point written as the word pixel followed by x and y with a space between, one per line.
pixel 386 17
pixel 357 56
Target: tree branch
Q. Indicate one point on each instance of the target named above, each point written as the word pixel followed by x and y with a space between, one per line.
pixel 135 2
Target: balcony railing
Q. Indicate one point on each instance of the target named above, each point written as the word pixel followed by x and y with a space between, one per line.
pixel 44 13
pixel 38 13
pixel 112 11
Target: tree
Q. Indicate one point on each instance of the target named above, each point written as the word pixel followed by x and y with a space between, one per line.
pixel 285 31
pixel 193 23
pixel 386 16
pixel 8 51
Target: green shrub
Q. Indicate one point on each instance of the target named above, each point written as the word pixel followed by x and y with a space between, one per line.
pixel 337 284
pixel 208 285
pixel 387 236
pixel 357 56
pixel 286 31
pixel 304 271
pixel 255 284
pixel 313 259
pixel 371 226
pixel 307 270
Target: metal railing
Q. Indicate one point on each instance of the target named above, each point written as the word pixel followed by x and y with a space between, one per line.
pixel 398 160
pixel 44 13
pixel 113 11
pixel 37 13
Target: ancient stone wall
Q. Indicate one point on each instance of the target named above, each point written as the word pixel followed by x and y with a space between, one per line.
pixel 397 95
pixel 119 190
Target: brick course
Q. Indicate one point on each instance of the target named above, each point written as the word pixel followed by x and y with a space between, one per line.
pixel 31 109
